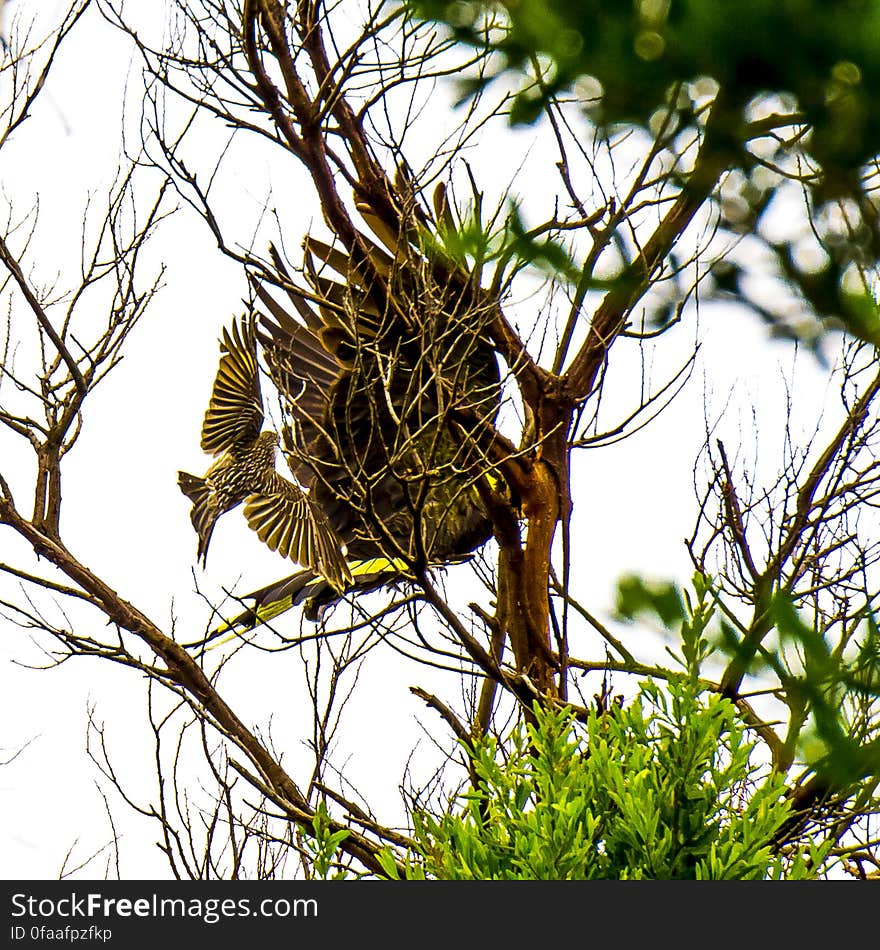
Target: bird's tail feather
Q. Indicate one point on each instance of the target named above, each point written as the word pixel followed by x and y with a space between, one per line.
pixel 311 590
pixel 198 492
pixel 195 488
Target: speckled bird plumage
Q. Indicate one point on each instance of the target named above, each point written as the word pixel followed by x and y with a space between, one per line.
pixel 367 376
pixel 278 510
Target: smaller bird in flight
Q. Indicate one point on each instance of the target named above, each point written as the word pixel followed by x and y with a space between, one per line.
pixel 281 513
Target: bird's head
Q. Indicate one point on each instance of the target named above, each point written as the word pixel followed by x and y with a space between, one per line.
pixel 266 444
pixel 268 439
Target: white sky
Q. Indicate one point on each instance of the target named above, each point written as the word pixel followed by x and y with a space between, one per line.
pixel 125 517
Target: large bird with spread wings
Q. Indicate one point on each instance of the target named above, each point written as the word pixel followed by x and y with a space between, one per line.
pixel 388 384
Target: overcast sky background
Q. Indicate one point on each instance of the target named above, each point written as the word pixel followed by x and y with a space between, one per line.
pixel 125 517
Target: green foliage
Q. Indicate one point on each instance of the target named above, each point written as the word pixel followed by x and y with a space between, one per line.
pixel 828 692
pixel 664 788
pixel 323 847
pixel 690 614
pixel 472 243
pixel 829 686
pixel 830 60
pixel 644 64
pixel 637 595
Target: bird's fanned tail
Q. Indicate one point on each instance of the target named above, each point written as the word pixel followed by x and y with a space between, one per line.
pixel 202 516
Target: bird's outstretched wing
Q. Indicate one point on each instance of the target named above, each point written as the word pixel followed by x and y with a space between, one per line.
pixel 286 519
pixel 300 366
pixel 235 412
